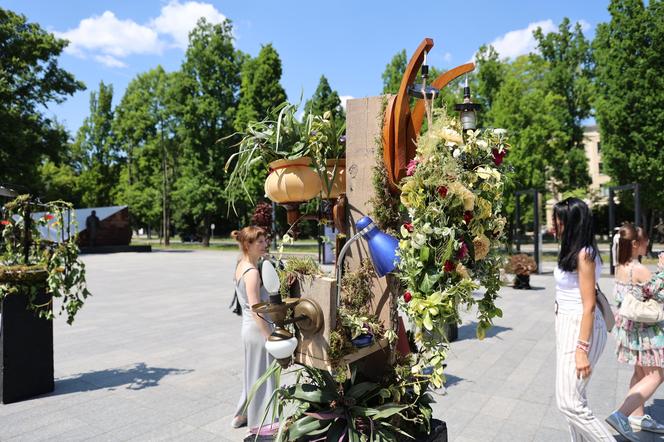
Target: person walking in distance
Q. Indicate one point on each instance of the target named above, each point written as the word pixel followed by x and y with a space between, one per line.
pixel 92 227
pixel 580 329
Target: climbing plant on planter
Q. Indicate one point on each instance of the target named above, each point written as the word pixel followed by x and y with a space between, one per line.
pixel 453 196
pixel 28 262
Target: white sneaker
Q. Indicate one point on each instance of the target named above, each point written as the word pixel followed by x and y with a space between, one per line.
pixel 646 423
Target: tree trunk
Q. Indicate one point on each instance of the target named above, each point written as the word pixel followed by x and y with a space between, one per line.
pixel 649 228
pixel 206 235
pixel 165 190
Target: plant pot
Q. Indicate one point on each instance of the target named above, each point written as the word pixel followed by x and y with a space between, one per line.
pixel 292 181
pixel 452 331
pixel 438 432
pixel 362 340
pixel 26 348
pixel 336 178
pixel 522 282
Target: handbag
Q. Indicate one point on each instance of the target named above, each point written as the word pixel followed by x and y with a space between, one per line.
pixel 645 312
pixel 235 305
pixel 605 309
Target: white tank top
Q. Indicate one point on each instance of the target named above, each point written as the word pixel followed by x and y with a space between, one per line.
pixel 568 294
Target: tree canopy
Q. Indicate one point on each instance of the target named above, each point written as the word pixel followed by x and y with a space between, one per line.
pixel 30 80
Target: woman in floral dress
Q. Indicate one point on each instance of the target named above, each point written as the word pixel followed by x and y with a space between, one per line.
pixel 638 344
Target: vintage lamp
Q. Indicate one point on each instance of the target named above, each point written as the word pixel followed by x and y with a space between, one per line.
pixel 306 314
pixel 423 90
pixel 382 248
pixel 468 110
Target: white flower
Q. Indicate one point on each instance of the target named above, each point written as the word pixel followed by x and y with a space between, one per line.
pixel 456 153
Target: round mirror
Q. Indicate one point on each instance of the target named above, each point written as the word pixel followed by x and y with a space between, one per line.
pixel 270 277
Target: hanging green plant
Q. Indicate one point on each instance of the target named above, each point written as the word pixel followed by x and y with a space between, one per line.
pixel 30 263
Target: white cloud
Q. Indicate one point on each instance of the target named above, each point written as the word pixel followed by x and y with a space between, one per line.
pixel 107 39
pixel 521 41
pixel 178 19
pixel 447 56
pixel 344 99
pixel 107 35
pixel 110 61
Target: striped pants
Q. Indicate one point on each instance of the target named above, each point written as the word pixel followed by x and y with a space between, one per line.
pixel 570 391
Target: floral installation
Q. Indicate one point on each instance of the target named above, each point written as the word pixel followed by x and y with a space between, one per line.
pixel 453 195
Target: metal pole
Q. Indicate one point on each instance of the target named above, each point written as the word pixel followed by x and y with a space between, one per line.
pixel 274 225
pixel 612 225
pixel 536 226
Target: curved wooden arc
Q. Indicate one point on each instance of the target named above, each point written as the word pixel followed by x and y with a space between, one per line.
pixel 395 155
pixel 439 83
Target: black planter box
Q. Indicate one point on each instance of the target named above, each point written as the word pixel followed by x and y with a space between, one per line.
pixel 452 331
pixel 26 350
pixel 522 282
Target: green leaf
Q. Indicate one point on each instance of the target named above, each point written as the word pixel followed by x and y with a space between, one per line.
pixel 359 390
pixel 305 425
pixel 424 254
pixel 312 393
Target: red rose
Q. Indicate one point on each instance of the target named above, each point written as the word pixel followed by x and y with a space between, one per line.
pixel 449 266
pixel 467 216
pixel 442 191
pixel 498 156
pixel 4 222
pixel 407 296
pixel 48 217
pixel 463 251
pixel 408 226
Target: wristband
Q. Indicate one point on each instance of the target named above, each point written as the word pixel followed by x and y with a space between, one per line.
pixel 582 348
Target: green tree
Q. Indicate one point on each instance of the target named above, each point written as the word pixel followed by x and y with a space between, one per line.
pixel 324 99
pixel 393 72
pixel 94 150
pixel 145 130
pixel 490 74
pixel 30 79
pixel 261 89
pixel 208 87
pixel 629 69
pixel 568 73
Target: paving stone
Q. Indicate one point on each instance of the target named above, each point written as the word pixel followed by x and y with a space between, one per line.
pixel 156 355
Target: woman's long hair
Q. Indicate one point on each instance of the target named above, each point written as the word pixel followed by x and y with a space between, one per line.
pixel 626 235
pixel 577 233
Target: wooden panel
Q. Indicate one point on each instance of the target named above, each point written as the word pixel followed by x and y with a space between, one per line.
pixel 313 351
pixel 363 130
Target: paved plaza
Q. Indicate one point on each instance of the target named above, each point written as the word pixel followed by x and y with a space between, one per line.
pixel 156 355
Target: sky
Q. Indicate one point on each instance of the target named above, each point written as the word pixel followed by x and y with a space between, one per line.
pixel 350 42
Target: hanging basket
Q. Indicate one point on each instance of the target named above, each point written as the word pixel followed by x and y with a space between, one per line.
pixel 292 181
pixel 337 178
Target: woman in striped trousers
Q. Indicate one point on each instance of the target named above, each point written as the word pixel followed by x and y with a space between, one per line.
pixel 580 329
